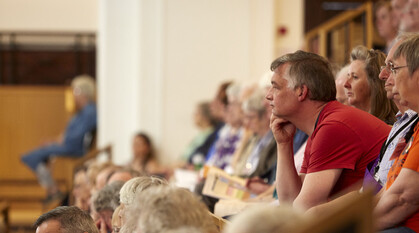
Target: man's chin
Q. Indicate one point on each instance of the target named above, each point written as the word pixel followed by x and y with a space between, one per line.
pixel 396 96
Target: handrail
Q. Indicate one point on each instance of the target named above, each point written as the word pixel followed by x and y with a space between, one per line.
pixel 340 20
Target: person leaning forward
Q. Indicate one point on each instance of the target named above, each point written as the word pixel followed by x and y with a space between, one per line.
pixel 342 140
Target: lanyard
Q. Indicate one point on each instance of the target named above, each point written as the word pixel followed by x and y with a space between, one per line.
pixel 385 145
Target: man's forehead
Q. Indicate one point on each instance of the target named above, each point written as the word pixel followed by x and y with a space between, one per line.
pixel 399 61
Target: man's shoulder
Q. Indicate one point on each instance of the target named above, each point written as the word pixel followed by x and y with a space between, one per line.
pixel 346 115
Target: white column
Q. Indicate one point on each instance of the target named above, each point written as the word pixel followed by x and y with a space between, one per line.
pixel 129 72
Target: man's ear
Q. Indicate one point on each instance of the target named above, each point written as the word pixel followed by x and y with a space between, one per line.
pixel 302 93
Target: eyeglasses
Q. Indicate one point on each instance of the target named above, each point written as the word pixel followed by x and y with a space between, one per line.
pixel 394 69
pixel 390 67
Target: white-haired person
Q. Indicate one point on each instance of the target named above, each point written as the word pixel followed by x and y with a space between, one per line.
pixel 128 193
pixel 71 144
pixel 166 209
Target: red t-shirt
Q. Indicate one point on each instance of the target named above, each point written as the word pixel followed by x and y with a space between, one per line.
pixel 409 158
pixel 344 138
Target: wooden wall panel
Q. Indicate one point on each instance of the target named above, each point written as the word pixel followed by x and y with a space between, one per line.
pixel 28 116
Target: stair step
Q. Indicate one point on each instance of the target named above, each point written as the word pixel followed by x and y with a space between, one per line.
pixel 23 191
pixel 25 201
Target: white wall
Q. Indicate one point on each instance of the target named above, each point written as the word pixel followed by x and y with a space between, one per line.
pixel 208 42
pixel 158 58
pixel 290 16
pixel 48 15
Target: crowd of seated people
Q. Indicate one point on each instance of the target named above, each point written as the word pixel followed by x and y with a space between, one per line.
pixel 307 138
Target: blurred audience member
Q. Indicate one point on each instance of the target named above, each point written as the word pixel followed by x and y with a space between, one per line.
pixel 364 89
pixel 103 175
pixel 127 197
pixel 122 174
pixel 81 189
pixel 164 208
pixel 384 23
pixel 65 219
pixel 206 124
pixel 229 136
pixel 340 80
pixel 116 220
pixel 398 7
pixel 72 143
pixel 105 201
pixel 145 160
pixel 410 17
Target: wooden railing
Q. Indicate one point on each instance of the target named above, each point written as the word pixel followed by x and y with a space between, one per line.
pixel 336 38
pixel 4 213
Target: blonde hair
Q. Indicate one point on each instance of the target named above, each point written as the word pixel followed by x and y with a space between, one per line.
pixel 381 107
pixel 84 85
pixel 165 208
pixel 136 185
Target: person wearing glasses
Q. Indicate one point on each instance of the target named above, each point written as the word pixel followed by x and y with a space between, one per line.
pixel 397 209
pixel 72 143
pixel 376 174
pixel 363 87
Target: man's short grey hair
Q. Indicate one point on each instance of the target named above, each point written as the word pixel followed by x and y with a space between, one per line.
pixel 108 197
pixel 311 70
pixel 165 208
pixel 85 85
pixel 137 185
pixel 410 50
pixel 71 218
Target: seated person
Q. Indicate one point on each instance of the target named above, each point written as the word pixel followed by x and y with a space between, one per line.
pixel 81 189
pixel 165 208
pixel 384 17
pixel 206 124
pixel 376 173
pixel 105 201
pixel 364 89
pixel 127 196
pixel 63 219
pixel 144 160
pixel 72 144
pixel 397 206
pixel 221 153
pixel 342 139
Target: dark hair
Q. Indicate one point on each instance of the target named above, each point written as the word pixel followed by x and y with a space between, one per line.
pixel 205 109
pixel 71 218
pixel 147 140
pixel 222 92
pixel 311 70
pixel 108 197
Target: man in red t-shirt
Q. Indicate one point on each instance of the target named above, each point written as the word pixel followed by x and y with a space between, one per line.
pixel 342 140
pixel 398 205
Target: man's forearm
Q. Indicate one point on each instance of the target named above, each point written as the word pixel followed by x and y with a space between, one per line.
pixel 391 210
pixel 287 179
